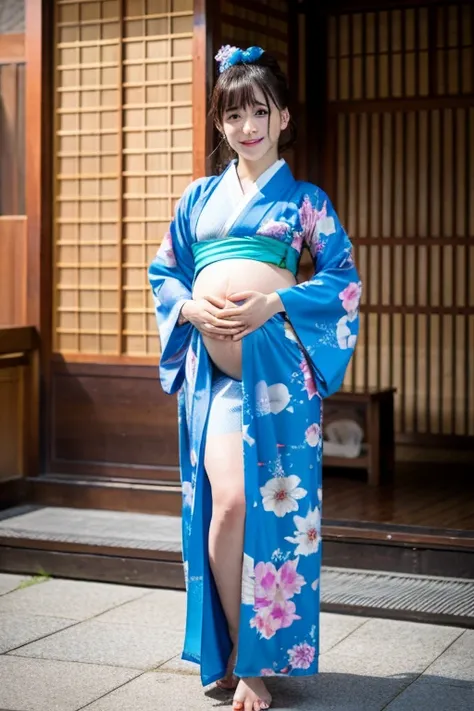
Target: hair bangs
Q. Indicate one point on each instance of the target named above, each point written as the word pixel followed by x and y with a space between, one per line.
pixel 239 92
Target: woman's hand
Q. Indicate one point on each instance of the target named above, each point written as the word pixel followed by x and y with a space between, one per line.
pixel 252 314
pixel 204 315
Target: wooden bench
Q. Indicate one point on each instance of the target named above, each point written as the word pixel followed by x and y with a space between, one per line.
pixel 377 456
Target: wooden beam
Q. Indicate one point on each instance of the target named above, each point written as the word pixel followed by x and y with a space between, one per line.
pixel 199 89
pixel 12 49
pixel 205 46
pixel 17 339
pixel 343 6
pixel 39 48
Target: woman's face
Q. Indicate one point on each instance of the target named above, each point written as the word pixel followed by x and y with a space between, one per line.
pixel 251 131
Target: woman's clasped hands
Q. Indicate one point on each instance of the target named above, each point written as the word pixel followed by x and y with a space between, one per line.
pixel 234 317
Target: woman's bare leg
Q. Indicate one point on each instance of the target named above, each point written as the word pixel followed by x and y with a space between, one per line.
pixel 224 466
pixel 225 470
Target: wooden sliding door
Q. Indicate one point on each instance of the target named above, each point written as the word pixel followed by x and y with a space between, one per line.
pixel 400 165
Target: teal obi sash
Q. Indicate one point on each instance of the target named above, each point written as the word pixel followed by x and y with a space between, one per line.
pixel 257 247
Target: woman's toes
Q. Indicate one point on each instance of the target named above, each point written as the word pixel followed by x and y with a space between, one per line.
pixel 237 706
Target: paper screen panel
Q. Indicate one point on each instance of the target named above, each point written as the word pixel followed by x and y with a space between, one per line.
pixel 12 16
pixel 404 188
pixel 123 156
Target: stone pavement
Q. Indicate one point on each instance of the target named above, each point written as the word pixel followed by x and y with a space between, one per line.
pixel 67 645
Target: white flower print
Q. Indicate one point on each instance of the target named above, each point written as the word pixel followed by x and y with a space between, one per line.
pixel 312 435
pixel 166 252
pixel 345 338
pixel 246 437
pixel 289 332
pixel 281 494
pixel 274 228
pixel 271 398
pixel 325 226
pixel 248 581
pixel 188 493
pixel 308 533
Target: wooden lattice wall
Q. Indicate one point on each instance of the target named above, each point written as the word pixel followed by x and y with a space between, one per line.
pixel 270 24
pixel 401 165
pixel 123 153
pixel 263 23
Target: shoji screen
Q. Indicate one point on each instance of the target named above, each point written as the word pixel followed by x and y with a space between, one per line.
pixel 401 157
pixel 123 151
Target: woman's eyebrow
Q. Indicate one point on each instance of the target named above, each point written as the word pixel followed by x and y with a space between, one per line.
pixel 238 108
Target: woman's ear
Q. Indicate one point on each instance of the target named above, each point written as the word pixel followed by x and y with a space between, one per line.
pixel 285 119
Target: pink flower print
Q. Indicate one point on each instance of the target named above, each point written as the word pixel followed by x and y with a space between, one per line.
pixel 190 366
pixel 273 590
pixel 265 584
pixel 265 623
pixel 284 613
pixel 276 616
pixel 351 297
pixel 308 218
pixel 272 228
pixel 166 252
pixel 310 385
pixel 290 582
pixel 272 586
pixel 267 672
pixel 301 656
pixel 297 241
pixel 312 435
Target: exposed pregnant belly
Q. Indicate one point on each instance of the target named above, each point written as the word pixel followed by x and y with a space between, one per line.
pixel 229 277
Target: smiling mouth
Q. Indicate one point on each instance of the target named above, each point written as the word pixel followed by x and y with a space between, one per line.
pixel 253 142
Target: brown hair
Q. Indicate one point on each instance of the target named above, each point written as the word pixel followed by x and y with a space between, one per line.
pixel 236 87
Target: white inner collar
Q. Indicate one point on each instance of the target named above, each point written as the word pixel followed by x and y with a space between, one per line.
pixel 262 179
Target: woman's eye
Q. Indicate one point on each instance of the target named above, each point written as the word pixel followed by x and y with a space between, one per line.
pixel 262 112
pixel 232 117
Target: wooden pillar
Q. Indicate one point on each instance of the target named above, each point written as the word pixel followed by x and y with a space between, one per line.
pixel 39 119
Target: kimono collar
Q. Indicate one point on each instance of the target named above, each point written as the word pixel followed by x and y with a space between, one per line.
pixel 276 183
pixel 262 179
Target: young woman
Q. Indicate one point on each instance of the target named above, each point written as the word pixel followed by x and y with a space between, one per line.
pixel 251 354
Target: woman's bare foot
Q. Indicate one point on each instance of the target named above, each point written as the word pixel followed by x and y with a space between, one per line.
pixel 229 681
pixel 251 695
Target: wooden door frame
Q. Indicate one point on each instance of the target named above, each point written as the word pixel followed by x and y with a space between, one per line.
pixel 204 42
pixel 39 28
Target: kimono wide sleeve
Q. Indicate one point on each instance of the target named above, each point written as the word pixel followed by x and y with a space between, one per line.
pixel 324 311
pixel 171 275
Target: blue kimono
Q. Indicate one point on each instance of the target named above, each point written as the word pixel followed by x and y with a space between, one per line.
pixel 311 344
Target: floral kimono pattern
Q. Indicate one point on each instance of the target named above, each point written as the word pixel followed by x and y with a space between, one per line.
pixel 310 346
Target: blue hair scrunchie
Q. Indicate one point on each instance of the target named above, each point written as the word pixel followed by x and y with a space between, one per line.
pixel 229 56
